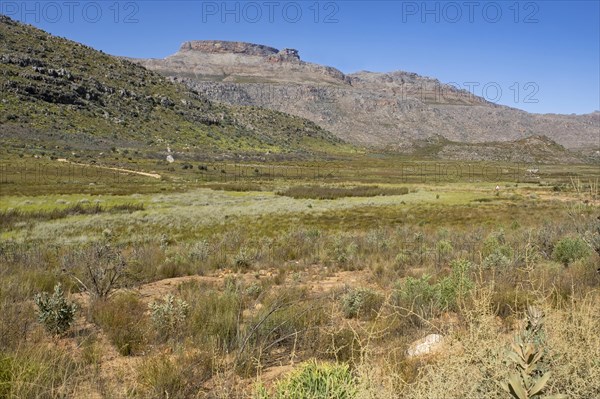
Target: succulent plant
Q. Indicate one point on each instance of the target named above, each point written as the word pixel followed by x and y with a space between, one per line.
pixel 527 352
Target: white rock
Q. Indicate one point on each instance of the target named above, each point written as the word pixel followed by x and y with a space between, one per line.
pixel 170 159
pixel 430 344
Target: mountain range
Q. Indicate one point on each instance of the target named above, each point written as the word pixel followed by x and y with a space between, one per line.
pixel 381 110
pixel 215 98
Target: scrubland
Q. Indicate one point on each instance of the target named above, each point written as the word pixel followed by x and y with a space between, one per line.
pixel 312 287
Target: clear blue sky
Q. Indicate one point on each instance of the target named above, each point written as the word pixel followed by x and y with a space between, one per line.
pixel 544 51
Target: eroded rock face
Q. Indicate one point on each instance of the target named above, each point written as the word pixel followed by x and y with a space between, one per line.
pixel 214 60
pixel 224 47
pixel 285 55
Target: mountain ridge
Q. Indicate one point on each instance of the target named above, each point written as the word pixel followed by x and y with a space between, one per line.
pixel 381 110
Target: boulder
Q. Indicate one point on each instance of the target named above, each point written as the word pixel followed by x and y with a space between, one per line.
pixel 429 345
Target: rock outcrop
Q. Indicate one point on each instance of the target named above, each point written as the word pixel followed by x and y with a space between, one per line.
pixel 223 47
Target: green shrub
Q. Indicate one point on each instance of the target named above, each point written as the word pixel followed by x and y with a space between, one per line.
pixel 54 311
pixel 496 260
pixel 457 285
pixel 426 299
pixel 38 372
pixel 316 381
pixel 417 294
pixel 569 250
pixel 243 259
pixel 361 302
pixel 341 251
pixel 444 249
pixel 168 315
pixel 496 243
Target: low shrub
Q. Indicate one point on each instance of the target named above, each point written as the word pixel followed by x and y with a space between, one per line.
pixel 570 249
pixel 418 295
pixel 315 381
pixel 214 317
pixel 122 319
pixel 54 311
pixel 176 377
pixel 426 300
pixel 361 303
pixel 168 315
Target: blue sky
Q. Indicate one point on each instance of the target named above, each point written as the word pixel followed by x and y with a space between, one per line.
pixel 540 56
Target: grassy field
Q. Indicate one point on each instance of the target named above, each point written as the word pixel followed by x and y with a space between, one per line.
pixel 216 279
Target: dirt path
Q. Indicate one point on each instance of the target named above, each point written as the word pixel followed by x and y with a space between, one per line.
pixel 135 172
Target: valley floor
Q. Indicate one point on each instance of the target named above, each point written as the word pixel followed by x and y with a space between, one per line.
pixel 264 284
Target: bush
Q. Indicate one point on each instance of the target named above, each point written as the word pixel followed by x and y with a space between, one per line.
pixel 39 372
pixel 569 250
pixel 457 285
pixel 444 249
pixel 426 299
pixel 103 266
pixel 175 377
pixel 213 317
pixel 419 296
pixel 361 302
pixel 54 311
pixel 496 260
pixel 122 319
pixel 243 259
pixel 316 381
pixel 168 315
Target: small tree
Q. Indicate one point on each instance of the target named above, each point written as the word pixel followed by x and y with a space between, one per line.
pixel 54 311
pixel 103 266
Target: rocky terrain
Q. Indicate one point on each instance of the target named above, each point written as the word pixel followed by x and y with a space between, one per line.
pixel 382 110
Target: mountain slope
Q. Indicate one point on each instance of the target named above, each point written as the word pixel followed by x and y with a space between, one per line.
pixel 53 85
pixel 385 110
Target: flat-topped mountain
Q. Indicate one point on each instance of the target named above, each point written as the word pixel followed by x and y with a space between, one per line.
pixel 238 62
pixel 384 110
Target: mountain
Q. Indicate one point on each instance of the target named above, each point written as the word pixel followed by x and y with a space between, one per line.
pixel 64 94
pixel 382 110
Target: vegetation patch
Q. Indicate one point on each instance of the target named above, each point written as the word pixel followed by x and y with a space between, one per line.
pixel 330 192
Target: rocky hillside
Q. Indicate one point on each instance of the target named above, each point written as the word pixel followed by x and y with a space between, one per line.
pixel 531 150
pixel 385 110
pixel 53 87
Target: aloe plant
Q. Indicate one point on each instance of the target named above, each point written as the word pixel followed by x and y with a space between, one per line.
pixel 527 352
